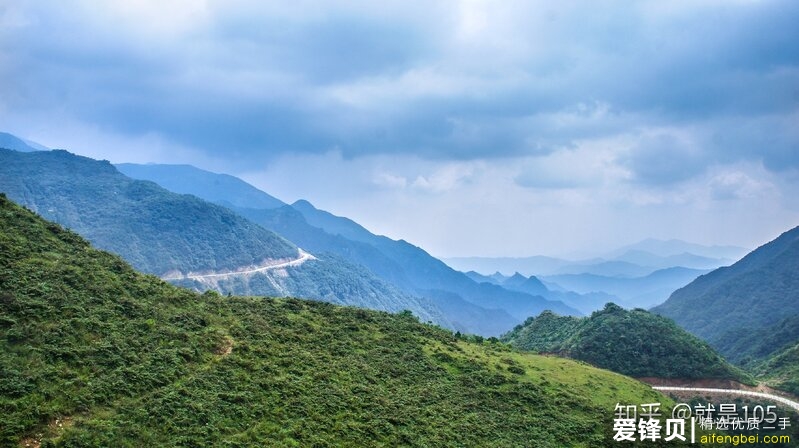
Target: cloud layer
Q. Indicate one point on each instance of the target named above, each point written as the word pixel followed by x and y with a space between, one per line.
pixel 628 103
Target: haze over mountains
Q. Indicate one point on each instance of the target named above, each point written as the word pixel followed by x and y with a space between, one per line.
pixel 180 236
pixel 409 267
pixel 233 248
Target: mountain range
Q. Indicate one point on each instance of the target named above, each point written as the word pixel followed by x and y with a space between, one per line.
pixel 205 238
pixel 585 303
pixel 635 260
pixel 185 238
pixel 480 308
pixel 93 353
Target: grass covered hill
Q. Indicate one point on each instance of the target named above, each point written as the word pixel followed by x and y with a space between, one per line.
pixel 635 343
pixel 157 231
pixel 93 353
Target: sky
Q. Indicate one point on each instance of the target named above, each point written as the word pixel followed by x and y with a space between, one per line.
pixel 466 127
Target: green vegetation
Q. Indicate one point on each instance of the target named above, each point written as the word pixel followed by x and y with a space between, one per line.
pixel 635 343
pixel 755 293
pixel 748 311
pixel 93 353
pixel 329 278
pixel 155 230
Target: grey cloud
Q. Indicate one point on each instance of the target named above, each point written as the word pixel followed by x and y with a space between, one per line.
pixel 663 159
pixel 691 68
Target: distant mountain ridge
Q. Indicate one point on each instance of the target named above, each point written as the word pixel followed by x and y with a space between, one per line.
pixel 642 292
pixel 166 233
pixel 217 188
pixel 585 303
pixel 635 260
pixel 9 141
pixel 409 267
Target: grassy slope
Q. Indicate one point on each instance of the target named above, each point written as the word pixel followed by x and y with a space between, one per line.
pixel 94 354
pixel 635 343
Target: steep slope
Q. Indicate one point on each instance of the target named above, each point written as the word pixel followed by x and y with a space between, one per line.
pixel 157 231
pixel 755 293
pixel 186 179
pixel 94 354
pixel 635 343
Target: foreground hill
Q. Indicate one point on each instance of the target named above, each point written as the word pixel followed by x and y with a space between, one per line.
pixel 635 343
pixel 93 353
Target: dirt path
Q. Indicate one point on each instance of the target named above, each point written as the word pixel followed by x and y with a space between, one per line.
pixel 749 393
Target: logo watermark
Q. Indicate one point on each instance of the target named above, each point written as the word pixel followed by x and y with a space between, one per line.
pixel 646 422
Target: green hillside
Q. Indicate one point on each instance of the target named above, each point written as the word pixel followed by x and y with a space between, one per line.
pixel 157 231
pixel 749 311
pixel 93 353
pixel 635 343
pixel 755 293
pixel 780 370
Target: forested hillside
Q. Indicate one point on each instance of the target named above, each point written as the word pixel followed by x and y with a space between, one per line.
pixel 93 353
pixel 635 343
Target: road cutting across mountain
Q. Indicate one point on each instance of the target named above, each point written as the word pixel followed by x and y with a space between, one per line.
pixel 266 266
pixel 709 390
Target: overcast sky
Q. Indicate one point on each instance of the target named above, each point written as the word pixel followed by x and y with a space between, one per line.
pixel 465 127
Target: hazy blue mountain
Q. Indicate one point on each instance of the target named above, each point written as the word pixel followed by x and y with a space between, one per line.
pixel 408 267
pixel 9 141
pixel 585 303
pixel 480 278
pixel 757 292
pixel 186 179
pixel 336 225
pixel 666 248
pixel 636 260
pixel 534 265
pixel 685 259
pixel 643 292
pixel 425 272
pixel 607 268
pixel 172 235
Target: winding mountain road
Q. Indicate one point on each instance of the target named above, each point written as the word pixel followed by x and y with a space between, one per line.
pixel 302 258
pixel 772 397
